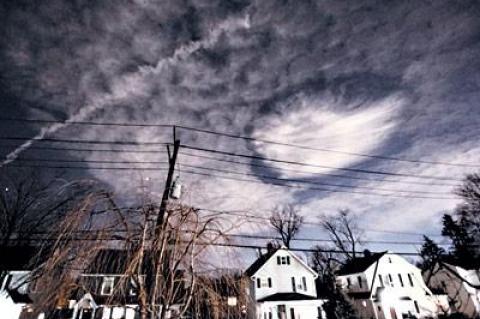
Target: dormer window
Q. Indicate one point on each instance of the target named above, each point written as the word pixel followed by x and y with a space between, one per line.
pixel 107 285
pixel 283 260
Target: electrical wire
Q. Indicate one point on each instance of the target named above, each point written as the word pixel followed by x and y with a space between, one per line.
pixel 261 176
pixel 237 136
pixel 75 141
pixel 356 170
pixel 390 158
pixel 272 183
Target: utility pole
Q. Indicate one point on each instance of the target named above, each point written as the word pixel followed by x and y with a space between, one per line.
pixel 172 159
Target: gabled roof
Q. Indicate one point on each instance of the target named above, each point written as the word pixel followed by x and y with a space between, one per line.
pixel 257 264
pixel 286 296
pixel 360 264
pixel 472 282
pixel 114 261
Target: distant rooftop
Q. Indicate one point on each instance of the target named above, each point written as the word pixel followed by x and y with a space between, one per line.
pixel 359 264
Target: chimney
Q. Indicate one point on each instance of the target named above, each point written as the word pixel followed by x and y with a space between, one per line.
pixel 270 247
pixel 367 253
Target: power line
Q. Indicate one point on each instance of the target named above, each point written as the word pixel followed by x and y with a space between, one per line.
pixel 49 148
pixel 89 161
pixel 309 250
pixel 232 245
pixel 247 138
pixel 73 141
pixel 316 173
pixel 313 188
pixel 236 136
pixel 311 182
pixel 380 242
pixel 92 123
pixel 232 172
pixel 356 170
pixel 273 183
pixel 114 232
pixel 373 230
pixel 235 162
pixel 91 167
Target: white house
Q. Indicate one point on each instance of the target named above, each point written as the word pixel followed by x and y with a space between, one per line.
pixel 461 285
pixel 13 293
pixel 15 263
pixel 386 286
pixel 282 286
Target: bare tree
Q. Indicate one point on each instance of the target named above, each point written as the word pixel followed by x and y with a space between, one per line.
pixel 161 265
pixel 345 233
pixel 30 202
pixel 220 295
pixel 287 222
pixel 66 251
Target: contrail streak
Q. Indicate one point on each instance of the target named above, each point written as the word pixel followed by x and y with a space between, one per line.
pixel 136 80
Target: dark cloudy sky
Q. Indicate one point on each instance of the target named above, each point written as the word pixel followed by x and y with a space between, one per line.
pixel 391 78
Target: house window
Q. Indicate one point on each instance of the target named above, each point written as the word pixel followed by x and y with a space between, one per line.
pixel 269 282
pixel 107 285
pixel 282 312
pixel 417 309
pixel 349 282
pixel 410 279
pixel 360 281
pixel 294 288
pixel 400 279
pixel 390 280
pixel 380 278
pixel 304 282
pixel 283 260
pixel 84 313
pixel 292 313
pixel 259 283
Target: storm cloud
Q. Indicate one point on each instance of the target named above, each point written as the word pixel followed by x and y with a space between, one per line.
pixel 392 78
